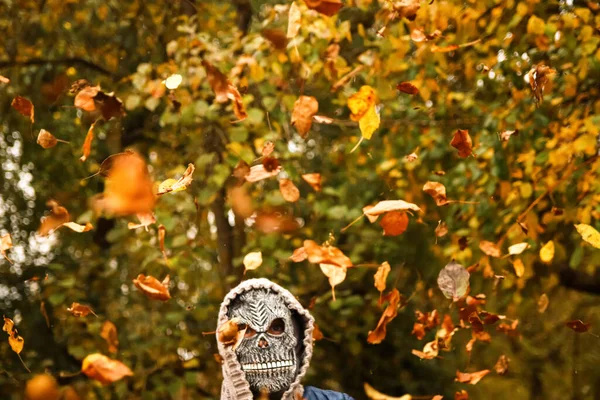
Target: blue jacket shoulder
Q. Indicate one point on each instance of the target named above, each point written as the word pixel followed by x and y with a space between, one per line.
pixel 312 393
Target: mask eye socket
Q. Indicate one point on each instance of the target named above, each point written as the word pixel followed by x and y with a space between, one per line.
pixel 277 327
pixel 249 331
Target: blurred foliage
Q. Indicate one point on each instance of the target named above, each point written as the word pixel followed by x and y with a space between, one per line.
pixel 546 177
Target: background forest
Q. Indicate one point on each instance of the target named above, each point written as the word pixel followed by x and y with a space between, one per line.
pixel 482 114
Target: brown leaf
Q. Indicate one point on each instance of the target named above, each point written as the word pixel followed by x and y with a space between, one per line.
pixel 391 311
pixel 109 333
pixel 258 173
pixel 394 223
pixel 430 351
pixel 4 79
pixel 5 244
pixel 87 143
pixel 437 191
pixel 314 180
pixel 317 334
pixel 442 229
pixel 146 220
pixel 58 216
pixel 304 110
pixel 241 202
pixel 24 107
pixel 463 143
pixel 80 310
pixel 288 190
pixel 268 222
pixel 46 139
pixel 217 81
pixel 501 366
pixel 180 184
pixel 326 254
pixel 299 255
pixel 85 98
pixel 462 395
pixel 418 331
pixel 325 7
pixel 241 170
pixel 579 326
pixel 268 148
pixel 335 273
pixel 128 188
pixel 543 303
pixel 407 8
pixel 506 135
pixel 231 333
pixel 152 287
pixel 79 85
pixel 407 87
pixel 472 377
pixel 391 205
pixel 490 248
pixel 239 109
pixel 271 164
pixel 276 36
pixel 103 369
pixel 92 98
pixel 538 77
pixel 381 276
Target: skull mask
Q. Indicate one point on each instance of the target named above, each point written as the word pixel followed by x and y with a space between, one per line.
pixel 271 347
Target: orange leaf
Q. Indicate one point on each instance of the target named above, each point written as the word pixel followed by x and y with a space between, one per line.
pixel 288 190
pixel 381 275
pixel 394 223
pixel 77 227
pixel 490 248
pixel 430 351
pixel 103 369
pixel 391 205
pixel 109 333
pixel 58 216
pixel 502 364
pixel 79 310
pixel 87 143
pixel 463 143
pixel 258 173
pixel 241 202
pixel 4 79
pixel 5 244
pixel 325 7
pixel 326 254
pixel 304 110
pixel 395 301
pixel 437 191
pixel 92 98
pixel 314 180
pixel 217 81
pixel 16 342
pixel 241 170
pixel 85 98
pixel 472 377
pixel 299 255
pixel 239 109
pixel 8 326
pixel 268 148
pixel 162 232
pixel 407 87
pixel 24 107
pixel 276 36
pixel 231 333
pixel 462 395
pixel 46 139
pixel 152 288
pixel 146 220
pixel 317 334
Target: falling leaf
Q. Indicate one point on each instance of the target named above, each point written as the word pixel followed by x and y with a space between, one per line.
pixel 362 107
pixel 579 326
pixel 47 140
pixel 321 119
pixel 152 287
pixel 391 311
pixel 547 252
pixel 8 326
pixel 241 202
pixel 294 21
pixel 325 7
pixel 314 180
pixel 317 334
pixel 506 135
pixel 375 395
pixel 241 170
pixel 299 255
pixel 288 190
pixel 45 313
pixel 407 8
pixel 437 191
pixel 276 36
pixel 543 303
pixel 231 333
pixel 394 223
pixel 109 333
pixel 171 185
pixel 77 227
pixel 304 110
pixel 239 109
pixel 369 123
pixel 442 229
pixel 407 87
pixel 258 173
pixel 253 260
pixel 335 273
pixel 463 143
pixel 381 276
pixel 472 377
pixel 145 219
pixel 391 205
pixel 85 98
pixel 518 248
pixel 462 395
pixel 589 234
pixel 80 310
pixel 4 79
pixel 501 366
pixel 92 98
pixel 519 267
pixel 326 254
pixel 5 244
pixel 16 342
pixel 271 164
pixel 24 107
pixel 430 351
pixel 45 387
pixel 162 232
pixel 268 148
pixel 276 221
pixel 103 369
pixel 173 81
pixel 128 188
pixel 490 248
pixel 538 77
pixel 411 157
pixel 453 280
pixel 217 81
pixel 58 216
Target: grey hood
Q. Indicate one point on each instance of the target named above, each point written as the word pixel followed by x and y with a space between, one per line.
pixel 235 386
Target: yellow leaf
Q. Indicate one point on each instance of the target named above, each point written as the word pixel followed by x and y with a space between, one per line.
pixel 519 267
pixel 335 274
pixel 517 248
pixel 16 342
pixel 376 395
pixel 547 252
pixel 589 234
pixel 253 260
pixel 360 102
pixel 369 123
pixel 535 25
pixel 294 20
pixel 381 276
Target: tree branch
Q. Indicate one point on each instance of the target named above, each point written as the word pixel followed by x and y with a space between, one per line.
pixel 61 61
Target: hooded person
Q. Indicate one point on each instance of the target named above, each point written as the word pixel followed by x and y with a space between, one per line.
pixel 275 352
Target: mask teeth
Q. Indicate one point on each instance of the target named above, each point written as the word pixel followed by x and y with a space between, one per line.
pixel 269 366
